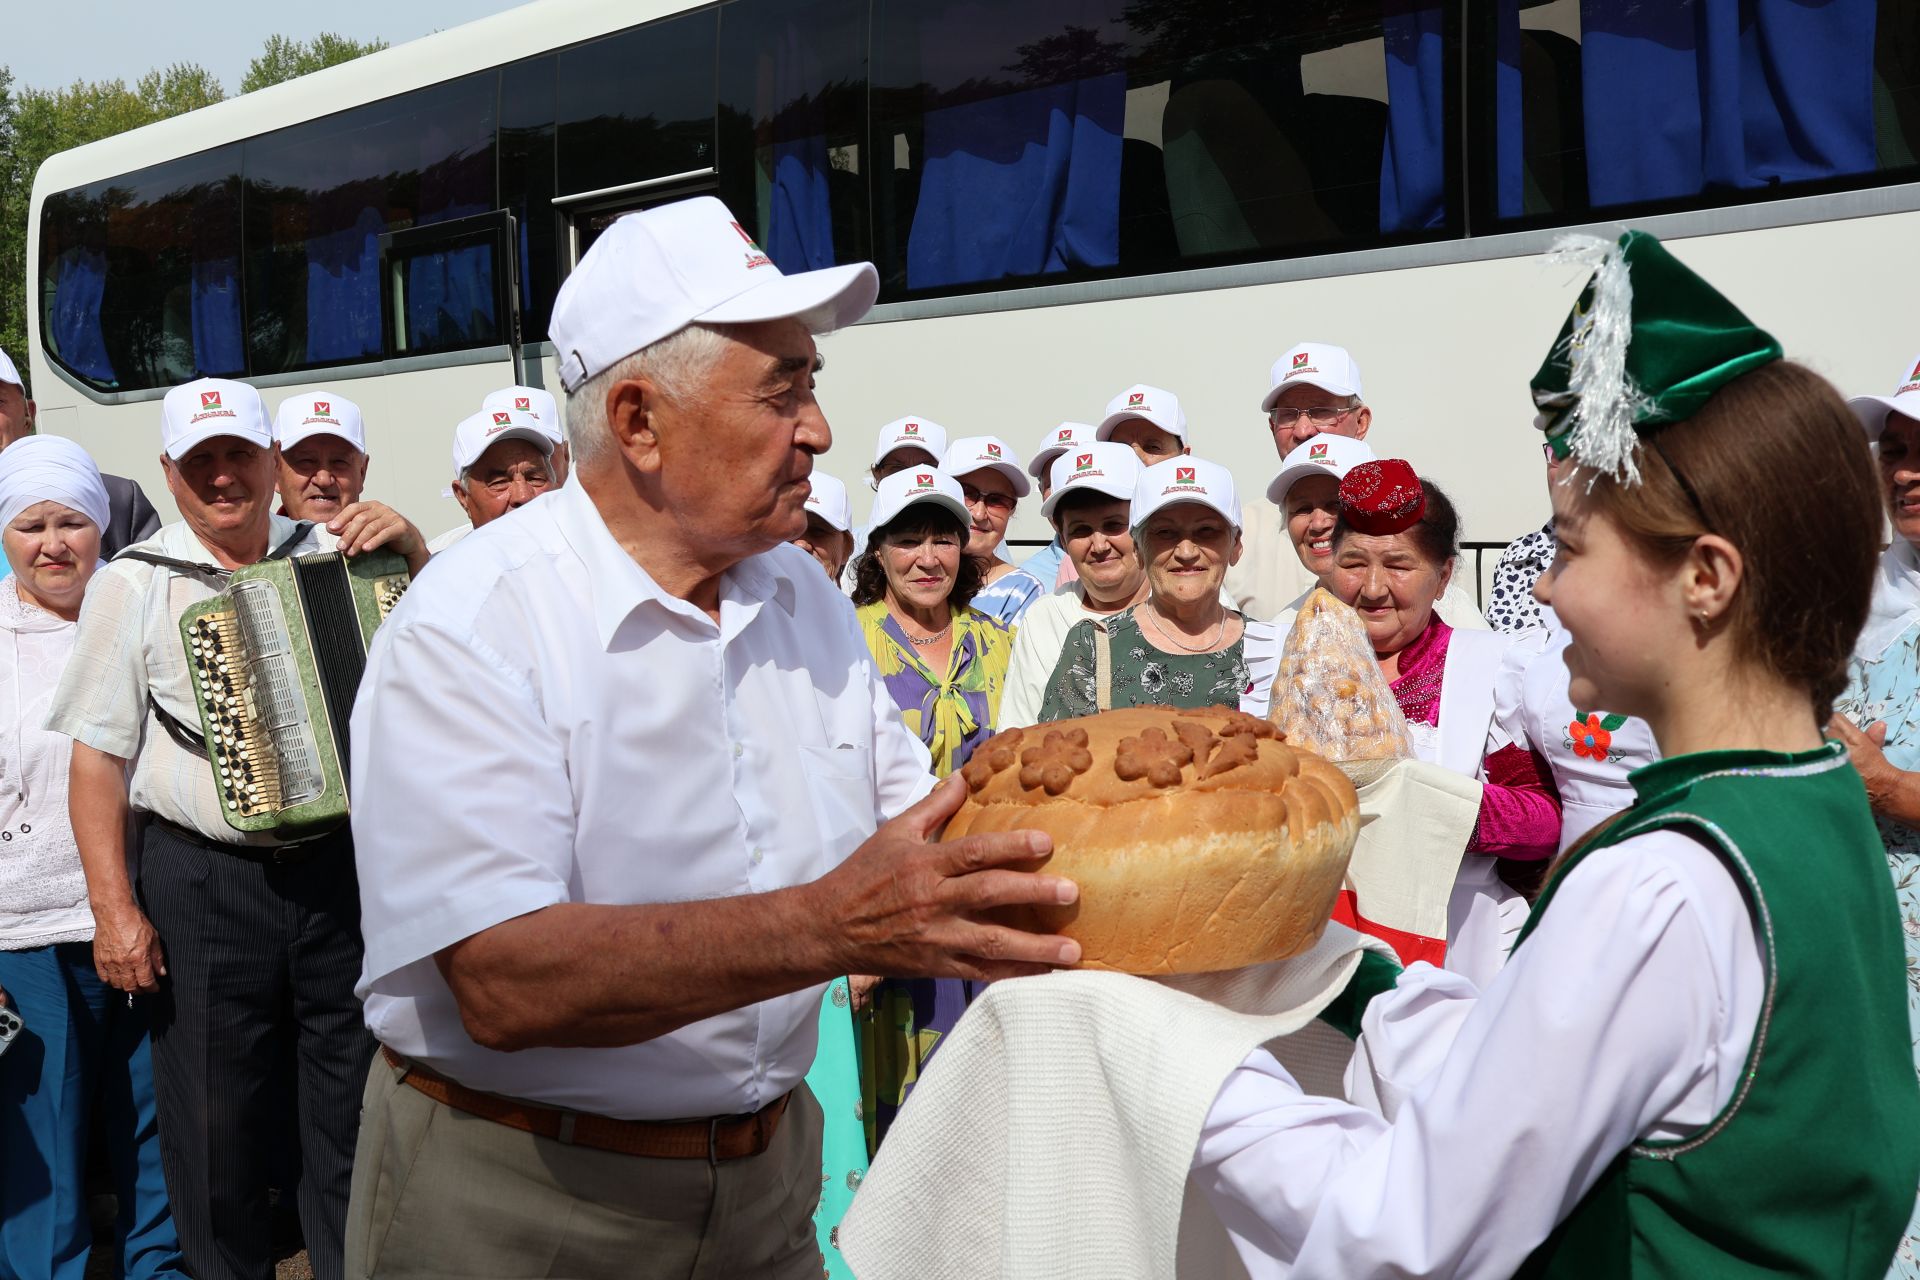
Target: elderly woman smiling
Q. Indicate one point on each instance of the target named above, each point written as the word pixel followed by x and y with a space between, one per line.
pixel 1393 554
pixel 81 1063
pixel 1184 646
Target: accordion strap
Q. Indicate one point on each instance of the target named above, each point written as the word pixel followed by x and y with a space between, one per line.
pixel 281 552
pixel 177 729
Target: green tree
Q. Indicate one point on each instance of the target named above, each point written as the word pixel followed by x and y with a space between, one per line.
pixel 285 58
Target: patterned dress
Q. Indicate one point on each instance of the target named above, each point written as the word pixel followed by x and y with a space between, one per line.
pixel 1010 595
pixel 1887 688
pixel 952 712
pixel 1142 675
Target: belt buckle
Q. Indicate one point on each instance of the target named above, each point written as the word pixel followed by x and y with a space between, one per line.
pixel 713 1141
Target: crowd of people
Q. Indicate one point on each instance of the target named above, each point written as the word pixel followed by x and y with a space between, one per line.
pixel 642 932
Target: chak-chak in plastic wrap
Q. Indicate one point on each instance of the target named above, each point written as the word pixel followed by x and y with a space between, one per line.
pixel 1330 696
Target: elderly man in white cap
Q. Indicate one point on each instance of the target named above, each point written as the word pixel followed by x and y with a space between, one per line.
pixel 1089 501
pixel 130 516
pixel 545 410
pixel 252 944
pixel 1315 391
pixel 1147 420
pixel 992 482
pixel 1050 564
pixel 829 534
pixel 630 794
pixel 502 460
pixel 322 471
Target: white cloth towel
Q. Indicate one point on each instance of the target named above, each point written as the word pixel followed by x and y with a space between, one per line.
pixel 1051 1136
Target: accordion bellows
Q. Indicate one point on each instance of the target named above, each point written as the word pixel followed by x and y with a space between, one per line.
pixel 276 660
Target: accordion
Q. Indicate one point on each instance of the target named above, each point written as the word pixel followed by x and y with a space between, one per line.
pixel 276 659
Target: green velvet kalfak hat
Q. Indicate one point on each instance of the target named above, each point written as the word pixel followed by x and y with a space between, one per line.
pixel 1646 345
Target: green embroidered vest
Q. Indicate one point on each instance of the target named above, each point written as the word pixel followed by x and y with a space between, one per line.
pixel 1811 1168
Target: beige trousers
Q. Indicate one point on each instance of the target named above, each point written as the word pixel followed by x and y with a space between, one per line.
pixel 440 1193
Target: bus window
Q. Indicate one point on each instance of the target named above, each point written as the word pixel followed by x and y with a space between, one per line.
pixel 319 197
pixel 1018 140
pixel 527 186
pixel 792 115
pixel 1616 104
pixel 637 105
pixel 140 274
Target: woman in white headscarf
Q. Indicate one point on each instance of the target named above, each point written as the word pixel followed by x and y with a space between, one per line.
pixel 80 1059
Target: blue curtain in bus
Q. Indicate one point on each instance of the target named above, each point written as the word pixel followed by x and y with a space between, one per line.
pixel 1413 164
pixel 73 321
pixel 1020 184
pixel 1688 95
pixel 343 291
pixel 450 298
pixel 796 214
pixel 216 317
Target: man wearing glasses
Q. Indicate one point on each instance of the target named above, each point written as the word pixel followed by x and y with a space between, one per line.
pixel 1315 391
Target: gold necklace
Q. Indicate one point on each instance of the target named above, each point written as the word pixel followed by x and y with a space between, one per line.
pixel 1219 631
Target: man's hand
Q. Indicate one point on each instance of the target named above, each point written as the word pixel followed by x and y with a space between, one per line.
pixel 368 526
pixel 907 905
pixel 126 950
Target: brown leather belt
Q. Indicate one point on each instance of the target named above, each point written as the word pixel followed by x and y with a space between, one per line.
pixel 713 1140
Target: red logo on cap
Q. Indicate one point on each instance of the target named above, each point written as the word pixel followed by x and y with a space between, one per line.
pixel 502 419
pixel 1066 433
pixel 1300 361
pixel 993 451
pixel 323 408
pixel 1138 397
pixel 743 234
pixel 209 399
pixel 911 429
pixel 1081 461
pixel 755 258
pixel 1915 375
pixel 1183 475
pixel 1316 453
pixel 523 404
pixel 924 480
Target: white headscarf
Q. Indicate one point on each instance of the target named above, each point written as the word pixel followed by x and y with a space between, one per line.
pixel 1896 600
pixel 50 469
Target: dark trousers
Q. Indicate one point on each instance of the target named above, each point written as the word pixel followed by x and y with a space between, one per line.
pixel 259 958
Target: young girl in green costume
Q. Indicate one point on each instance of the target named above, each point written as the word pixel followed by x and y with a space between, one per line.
pixel 1696 1061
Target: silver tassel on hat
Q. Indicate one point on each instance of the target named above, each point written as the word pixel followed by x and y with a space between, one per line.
pixel 1600 424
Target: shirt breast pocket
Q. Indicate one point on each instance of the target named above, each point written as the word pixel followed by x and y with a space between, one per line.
pixel 840 790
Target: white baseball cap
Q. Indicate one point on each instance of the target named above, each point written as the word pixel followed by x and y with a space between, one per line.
pixel 654 272
pixel 977 453
pixel 1873 410
pixel 1068 435
pixel 1318 364
pixel 8 373
pixel 915 485
pixel 911 433
pixel 541 404
pixel 1100 466
pixel 1322 455
pixel 479 432
pixel 829 501
pixel 1161 408
pixel 321 413
pixel 1184 479
pixel 209 407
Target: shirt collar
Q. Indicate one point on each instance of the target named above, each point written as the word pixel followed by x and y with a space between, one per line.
pixel 620 587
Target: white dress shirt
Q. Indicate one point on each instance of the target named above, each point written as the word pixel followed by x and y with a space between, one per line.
pixel 1498 1122
pixel 129 646
pixel 541 723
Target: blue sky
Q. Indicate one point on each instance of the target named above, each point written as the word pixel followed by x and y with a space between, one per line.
pixel 127 38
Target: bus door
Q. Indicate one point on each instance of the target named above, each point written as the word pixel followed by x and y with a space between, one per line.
pixel 453 285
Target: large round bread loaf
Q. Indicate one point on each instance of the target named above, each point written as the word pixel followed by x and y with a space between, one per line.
pixel 1200 840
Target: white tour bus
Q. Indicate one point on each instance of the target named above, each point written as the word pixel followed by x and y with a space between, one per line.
pixel 1062 198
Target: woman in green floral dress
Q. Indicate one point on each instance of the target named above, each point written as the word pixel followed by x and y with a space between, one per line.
pixel 1184 646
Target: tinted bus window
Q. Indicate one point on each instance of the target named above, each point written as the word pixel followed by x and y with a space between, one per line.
pixel 140 275
pixel 1616 104
pixel 527 186
pixel 637 105
pixel 320 195
pixel 792 120
pixel 1012 140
